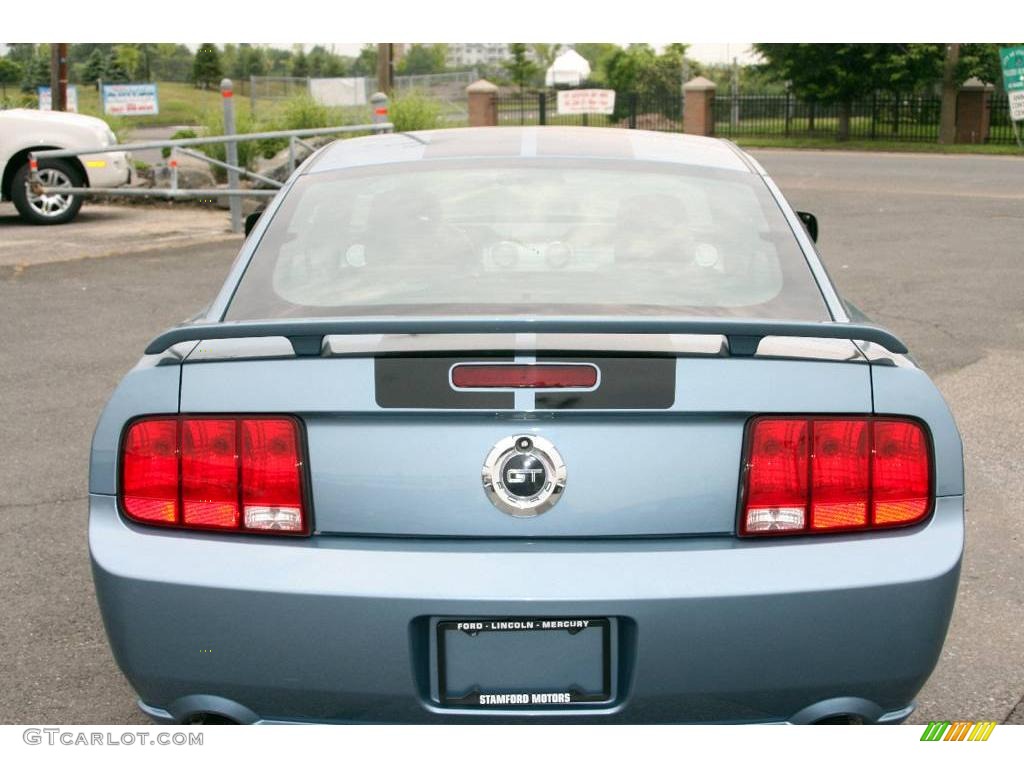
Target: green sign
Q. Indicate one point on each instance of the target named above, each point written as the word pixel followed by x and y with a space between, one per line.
pixel 1013 79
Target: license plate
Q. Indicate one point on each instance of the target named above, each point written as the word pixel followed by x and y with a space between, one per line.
pixel 524 662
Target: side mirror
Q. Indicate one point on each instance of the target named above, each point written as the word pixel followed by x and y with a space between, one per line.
pixel 251 219
pixel 810 224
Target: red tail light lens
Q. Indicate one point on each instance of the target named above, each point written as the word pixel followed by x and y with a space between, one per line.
pixel 826 474
pixel 209 473
pixel 777 493
pixel 901 478
pixel 524 376
pixel 839 468
pixel 149 461
pixel 215 473
pixel 271 477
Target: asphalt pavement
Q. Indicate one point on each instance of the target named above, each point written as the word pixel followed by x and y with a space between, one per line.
pixel 931 246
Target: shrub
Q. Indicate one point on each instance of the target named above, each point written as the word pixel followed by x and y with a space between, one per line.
pixel 296 113
pixel 213 125
pixel 305 112
pixel 414 112
pixel 184 133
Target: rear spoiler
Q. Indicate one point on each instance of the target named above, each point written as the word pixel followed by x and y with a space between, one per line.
pixel 307 335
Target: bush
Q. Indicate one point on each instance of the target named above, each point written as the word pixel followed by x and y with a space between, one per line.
pixel 305 112
pixel 414 112
pixel 213 125
pixel 184 133
pixel 295 114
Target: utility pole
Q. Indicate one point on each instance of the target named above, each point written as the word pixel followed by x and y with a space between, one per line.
pixel 947 114
pixel 59 77
pixel 385 67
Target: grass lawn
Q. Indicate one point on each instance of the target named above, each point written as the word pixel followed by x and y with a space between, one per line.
pixel 180 104
pixel 877 145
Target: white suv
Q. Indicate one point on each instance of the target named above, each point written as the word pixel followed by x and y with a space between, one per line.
pixel 25 130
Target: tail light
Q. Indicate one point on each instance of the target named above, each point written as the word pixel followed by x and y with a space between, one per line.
pixel 224 473
pixel 524 376
pixel 829 474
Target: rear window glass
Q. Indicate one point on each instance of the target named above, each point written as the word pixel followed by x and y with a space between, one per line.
pixel 528 237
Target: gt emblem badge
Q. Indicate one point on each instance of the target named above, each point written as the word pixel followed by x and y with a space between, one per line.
pixel 524 475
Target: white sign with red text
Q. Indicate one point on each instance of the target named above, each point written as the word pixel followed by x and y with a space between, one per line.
pixel 128 99
pixel 586 101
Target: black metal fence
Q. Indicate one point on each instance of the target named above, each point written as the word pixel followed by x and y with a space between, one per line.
pixel 882 116
pixel 895 117
pixel 631 111
pixel 1000 130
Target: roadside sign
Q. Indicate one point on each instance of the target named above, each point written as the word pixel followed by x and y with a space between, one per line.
pixel 127 99
pixel 1012 60
pixel 46 103
pixel 586 101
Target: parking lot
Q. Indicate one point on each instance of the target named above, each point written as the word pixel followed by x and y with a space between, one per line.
pixel 930 246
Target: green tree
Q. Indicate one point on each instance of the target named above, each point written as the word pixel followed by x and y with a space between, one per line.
pixel 981 60
pixel 229 60
pixel 423 59
pixel 129 58
pixel 171 61
pixel 300 66
pixel 639 69
pixel 365 64
pixel 22 54
pixel 839 73
pixel 545 54
pixel 36 72
pixel 826 73
pixel 597 55
pixel 95 67
pixel 279 62
pixel 206 67
pixel 519 66
pixel 256 62
pixel 10 73
pixel 116 72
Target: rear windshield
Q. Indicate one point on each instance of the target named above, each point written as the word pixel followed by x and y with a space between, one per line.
pixel 529 237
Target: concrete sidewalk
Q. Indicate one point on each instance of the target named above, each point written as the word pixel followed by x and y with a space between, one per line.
pixel 105 230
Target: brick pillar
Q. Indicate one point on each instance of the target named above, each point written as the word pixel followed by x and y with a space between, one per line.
pixel 699 107
pixel 972 112
pixel 483 103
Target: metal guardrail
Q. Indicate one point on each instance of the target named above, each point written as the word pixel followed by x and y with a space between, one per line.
pixel 234 192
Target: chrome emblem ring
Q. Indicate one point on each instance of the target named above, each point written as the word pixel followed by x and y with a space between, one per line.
pixel 524 476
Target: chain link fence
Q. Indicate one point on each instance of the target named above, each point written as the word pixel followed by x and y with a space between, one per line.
pixel 447 89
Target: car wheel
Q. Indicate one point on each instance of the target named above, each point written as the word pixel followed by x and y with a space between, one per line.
pixel 50 208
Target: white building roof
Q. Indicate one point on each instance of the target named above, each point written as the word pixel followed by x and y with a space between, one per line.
pixel 568 69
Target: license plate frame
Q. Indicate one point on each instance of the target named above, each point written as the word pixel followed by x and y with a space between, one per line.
pixel 554 697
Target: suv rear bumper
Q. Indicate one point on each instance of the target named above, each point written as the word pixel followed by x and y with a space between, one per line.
pixel 109 169
pixel 710 629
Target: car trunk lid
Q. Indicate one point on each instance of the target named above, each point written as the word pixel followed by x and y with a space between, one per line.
pixel 653 450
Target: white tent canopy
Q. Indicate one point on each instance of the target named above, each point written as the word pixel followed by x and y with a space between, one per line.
pixel 568 69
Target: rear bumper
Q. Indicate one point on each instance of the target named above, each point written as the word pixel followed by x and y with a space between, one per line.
pixel 708 630
pixel 109 169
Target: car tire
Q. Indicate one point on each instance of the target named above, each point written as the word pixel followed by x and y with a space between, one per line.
pixel 47 209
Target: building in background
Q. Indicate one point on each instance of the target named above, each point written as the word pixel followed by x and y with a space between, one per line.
pixel 476 54
pixel 568 69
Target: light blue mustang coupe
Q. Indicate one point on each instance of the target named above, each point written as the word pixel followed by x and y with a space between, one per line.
pixel 527 425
